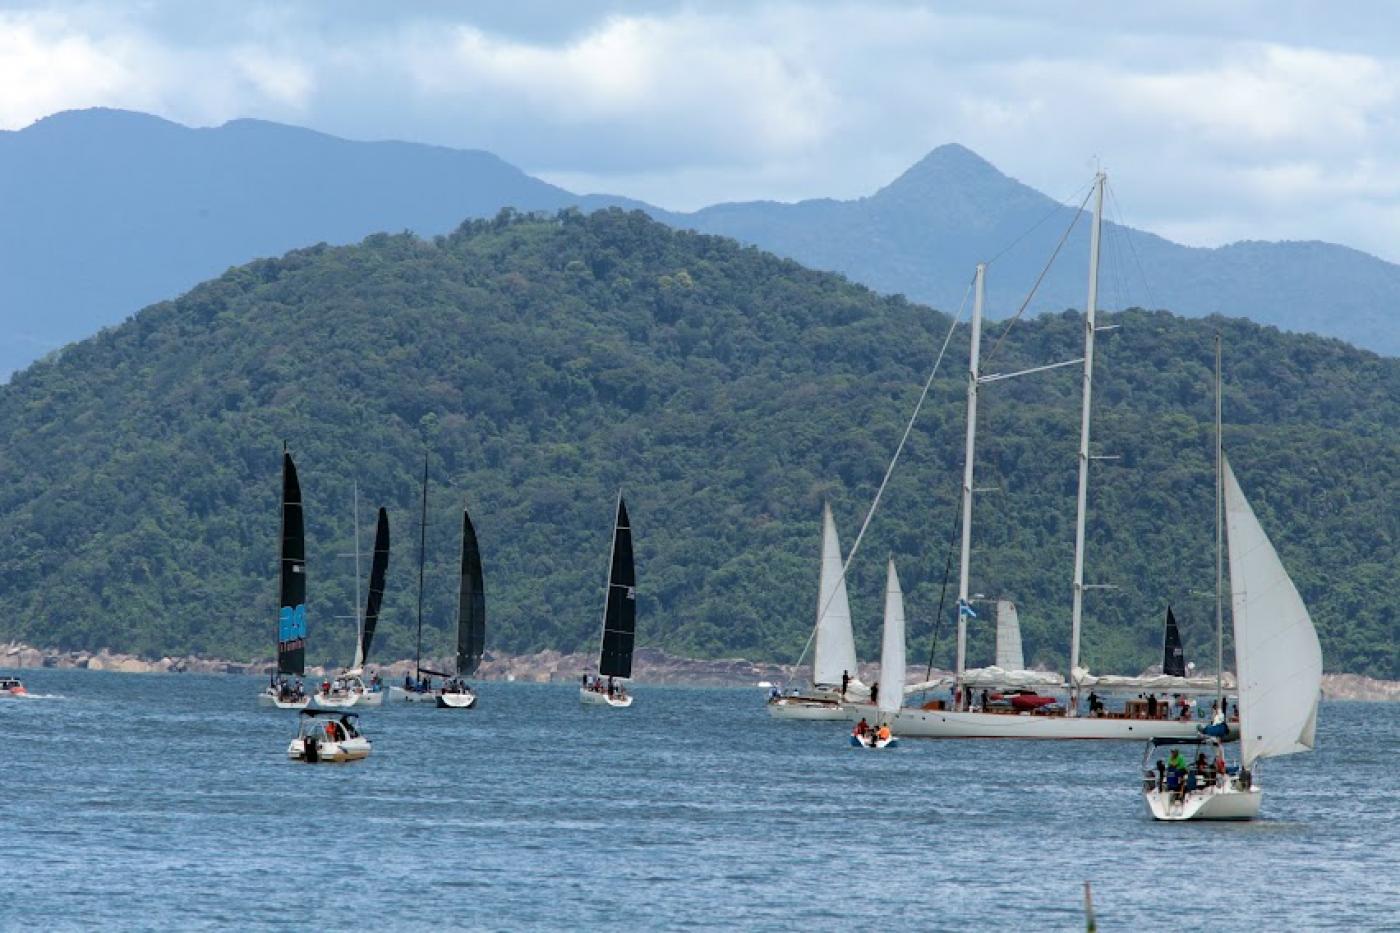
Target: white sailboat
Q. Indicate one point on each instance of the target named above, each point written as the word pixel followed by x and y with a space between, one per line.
pixel 1279 664
pixel 1052 721
pixel 892 674
pixel 833 644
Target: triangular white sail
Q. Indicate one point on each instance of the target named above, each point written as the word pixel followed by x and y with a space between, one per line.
pixel 1009 656
pixel 1277 654
pixel 892 647
pixel 834 652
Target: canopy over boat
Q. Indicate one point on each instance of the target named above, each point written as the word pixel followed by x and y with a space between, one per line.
pixel 834 650
pixel 620 605
pixel 376 588
pixel 337 713
pixel 892 659
pixel 291 614
pixel 1277 652
pixel 471 604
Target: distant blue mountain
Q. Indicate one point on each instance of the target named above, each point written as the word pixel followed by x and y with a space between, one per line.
pixel 103 212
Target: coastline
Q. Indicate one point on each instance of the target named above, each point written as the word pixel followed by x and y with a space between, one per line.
pixel 650 666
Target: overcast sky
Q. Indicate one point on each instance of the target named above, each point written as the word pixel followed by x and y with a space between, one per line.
pixel 1217 121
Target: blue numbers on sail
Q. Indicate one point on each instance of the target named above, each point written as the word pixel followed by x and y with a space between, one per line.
pixel 291 624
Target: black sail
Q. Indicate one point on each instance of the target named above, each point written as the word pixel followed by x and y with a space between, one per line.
pixel 620 611
pixel 1173 658
pixel 376 583
pixel 471 604
pixel 291 614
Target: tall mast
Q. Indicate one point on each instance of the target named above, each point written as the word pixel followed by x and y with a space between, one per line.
pixel 281 560
pixel 1089 327
pixel 1219 546
pixel 974 354
pixel 359 608
pixel 422 551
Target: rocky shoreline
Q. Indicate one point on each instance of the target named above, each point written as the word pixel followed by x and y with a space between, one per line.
pixel 650 665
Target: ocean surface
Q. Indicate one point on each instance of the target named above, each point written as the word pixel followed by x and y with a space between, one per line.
pixel 167 801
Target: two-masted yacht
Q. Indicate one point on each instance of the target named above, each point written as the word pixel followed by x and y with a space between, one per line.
pixel 619 622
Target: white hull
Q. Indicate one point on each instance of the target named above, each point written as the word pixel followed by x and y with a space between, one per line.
pixel 865 741
pixel 946 724
pixel 456 700
pixel 269 701
pixel 331 752
pixel 594 698
pixel 348 700
pixel 400 695
pixel 1214 803
pixel 808 709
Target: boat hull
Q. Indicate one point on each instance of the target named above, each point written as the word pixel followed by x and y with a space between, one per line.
pixel 269 701
pixel 348 700
pixel 327 752
pixel 595 698
pixel 1214 803
pixel 400 695
pixel 456 700
pixel 809 709
pixel 947 724
pixel 865 741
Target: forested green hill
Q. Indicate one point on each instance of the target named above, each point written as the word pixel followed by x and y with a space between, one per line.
pixel 545 362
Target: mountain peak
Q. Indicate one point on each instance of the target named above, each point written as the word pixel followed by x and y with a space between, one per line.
pixel 950 165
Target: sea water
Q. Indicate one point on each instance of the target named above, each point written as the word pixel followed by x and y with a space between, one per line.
pixel 167 801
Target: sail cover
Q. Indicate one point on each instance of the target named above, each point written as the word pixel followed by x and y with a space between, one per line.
pixel 376 587
pixel 1173 658
pixel 834 651
pixel 471 604
pixel 291 614
pixel 620 609
pixel 1009 656
pixel 1277 654
pixel 892 646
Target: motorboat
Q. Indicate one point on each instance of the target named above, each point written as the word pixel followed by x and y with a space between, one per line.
pixel 328 736
pixel 12 687
pixel 619 622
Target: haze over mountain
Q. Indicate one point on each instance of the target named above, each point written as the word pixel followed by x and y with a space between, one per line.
pixel 546 362
pixel 106 211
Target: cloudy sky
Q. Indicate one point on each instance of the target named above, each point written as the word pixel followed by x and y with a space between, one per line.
pixel 1218 121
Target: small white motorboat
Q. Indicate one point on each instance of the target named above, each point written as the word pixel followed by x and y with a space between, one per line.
pixel 328 736
pixel 873 740
pixel 12 687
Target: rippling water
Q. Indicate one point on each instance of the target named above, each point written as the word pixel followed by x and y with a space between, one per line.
pixel 167 801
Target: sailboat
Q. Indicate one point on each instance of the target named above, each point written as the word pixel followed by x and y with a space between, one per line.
pixel 454 693
pixel 291 598
pixel 619 622
pixel 349 688
pixel 834 645
pixel 1279 664
pixel 892 676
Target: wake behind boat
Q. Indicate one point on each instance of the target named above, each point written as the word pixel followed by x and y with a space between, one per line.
pixel 281 692
pixel 619 622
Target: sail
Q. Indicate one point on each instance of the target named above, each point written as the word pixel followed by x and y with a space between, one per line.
pixel 834 651
pixel 291 613
pixel 471 604
pixel 892 647
pixel 1277 654
pixel 1173 657
pixel 376 588
pixel 620 609
pixel 1009 656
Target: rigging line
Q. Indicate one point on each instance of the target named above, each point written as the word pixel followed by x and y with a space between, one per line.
pixel 1059 206
pixel 918 406
pixel 1122 222
pixel 1040 278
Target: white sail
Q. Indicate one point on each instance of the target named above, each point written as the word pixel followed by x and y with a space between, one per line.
pixel 835 650
pixel 892 647
pixel 1009 657
pixel 1277 654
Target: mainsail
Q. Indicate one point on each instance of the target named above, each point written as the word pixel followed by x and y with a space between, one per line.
pixel 1277 654
pixel 892 647
pixel 291 613
pixel 1173 657
pixel 834 651
pixel 471 604
pixel 1009 655
pixel 376 588
pixel 620 608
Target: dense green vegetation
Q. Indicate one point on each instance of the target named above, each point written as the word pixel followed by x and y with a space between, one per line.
pixel 544 362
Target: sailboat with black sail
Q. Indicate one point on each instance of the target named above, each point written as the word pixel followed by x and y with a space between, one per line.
pixel 619 622
pixel 471 623
pixel 291 598
pixel 349 688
